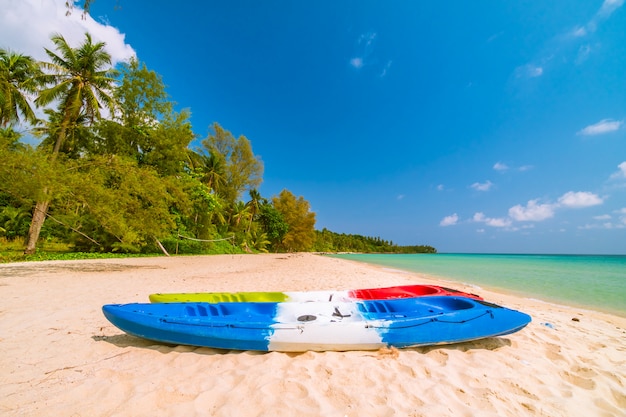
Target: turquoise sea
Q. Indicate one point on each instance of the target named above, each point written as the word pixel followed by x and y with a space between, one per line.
pixel 596 282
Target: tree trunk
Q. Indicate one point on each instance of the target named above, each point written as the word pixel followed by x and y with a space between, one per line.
pixel 162 247
pixel 41 208
pixel 39 216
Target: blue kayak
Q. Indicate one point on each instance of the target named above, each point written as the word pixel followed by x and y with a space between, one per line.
pixel 318 326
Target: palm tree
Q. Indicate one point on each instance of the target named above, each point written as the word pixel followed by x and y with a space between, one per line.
pixel 13 219
pixel 255 205
pixel 80 80
pixel 214 172
pixel 258 240
pixel 18 74
pixel 240 211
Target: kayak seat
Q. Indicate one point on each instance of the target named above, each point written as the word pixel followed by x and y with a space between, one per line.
pixel 244 309
pixel 199 310
pixel 374 307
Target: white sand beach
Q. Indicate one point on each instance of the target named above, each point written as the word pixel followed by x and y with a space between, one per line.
pixel 61 357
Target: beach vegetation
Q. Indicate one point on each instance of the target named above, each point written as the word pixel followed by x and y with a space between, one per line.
pixel 273 224
pixel 233 167
pixel 300 221
pixel 18 78
pixel 79 81
pixel 328 241
pixel 110 170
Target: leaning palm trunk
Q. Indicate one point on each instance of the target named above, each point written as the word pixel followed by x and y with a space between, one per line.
pixel 39 216
pixel 41 208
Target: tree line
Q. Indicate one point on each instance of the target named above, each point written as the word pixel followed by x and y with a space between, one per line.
pixel 114 172
pixel 327 241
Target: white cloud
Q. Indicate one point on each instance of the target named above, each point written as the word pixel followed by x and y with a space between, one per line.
pixel 386 68
pixel 365 43
pixel 579 32
pixel 449 220
pixel 440 187
pixel 605 11
pixel 367 39
pixel 356 62
pixel 596 226
pixel 498 222
pixel 579 199
pixel 366 57
pixel 499 166
pixel 533 212
pixel 534 71
pixel 490 221
pixel 479 217
pixel 603 126
pixel 609 224
pixel 529 71
pixel 558 50
pixel 27 25
pixel 502 167
pixel 621 173
pixel 486 186
pixel 608 7
pixel 583 53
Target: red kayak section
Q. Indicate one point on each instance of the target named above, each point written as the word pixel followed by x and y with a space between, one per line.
pixel 407 291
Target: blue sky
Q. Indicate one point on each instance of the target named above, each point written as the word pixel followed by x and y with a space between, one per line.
pixel 483 126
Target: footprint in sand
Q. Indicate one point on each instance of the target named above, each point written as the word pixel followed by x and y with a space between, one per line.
pixel 440 356
pixel 553 352
pixel 520 390
pixel 581 377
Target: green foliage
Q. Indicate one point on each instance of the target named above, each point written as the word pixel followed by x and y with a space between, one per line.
pixel 327 241
pixel 80 79
pixel 14 218
pixel 182 246
pixel 77 135
pixel 146 128
pixel 141 96
pixel 18 74
pixel 123 206
pixel 273 224
pixel 258 241
pixel 234 167
pixel 165 147
pixel 196 208
pixel 24 171
pixel 12 251
pixel 300 235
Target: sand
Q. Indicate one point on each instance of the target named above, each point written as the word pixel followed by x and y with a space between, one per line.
pixel 61 357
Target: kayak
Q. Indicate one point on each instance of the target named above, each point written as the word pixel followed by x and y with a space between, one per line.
pixel 385 293
pixel 317 326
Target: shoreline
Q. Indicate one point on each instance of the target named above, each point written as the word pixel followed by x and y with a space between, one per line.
pixel 62 357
